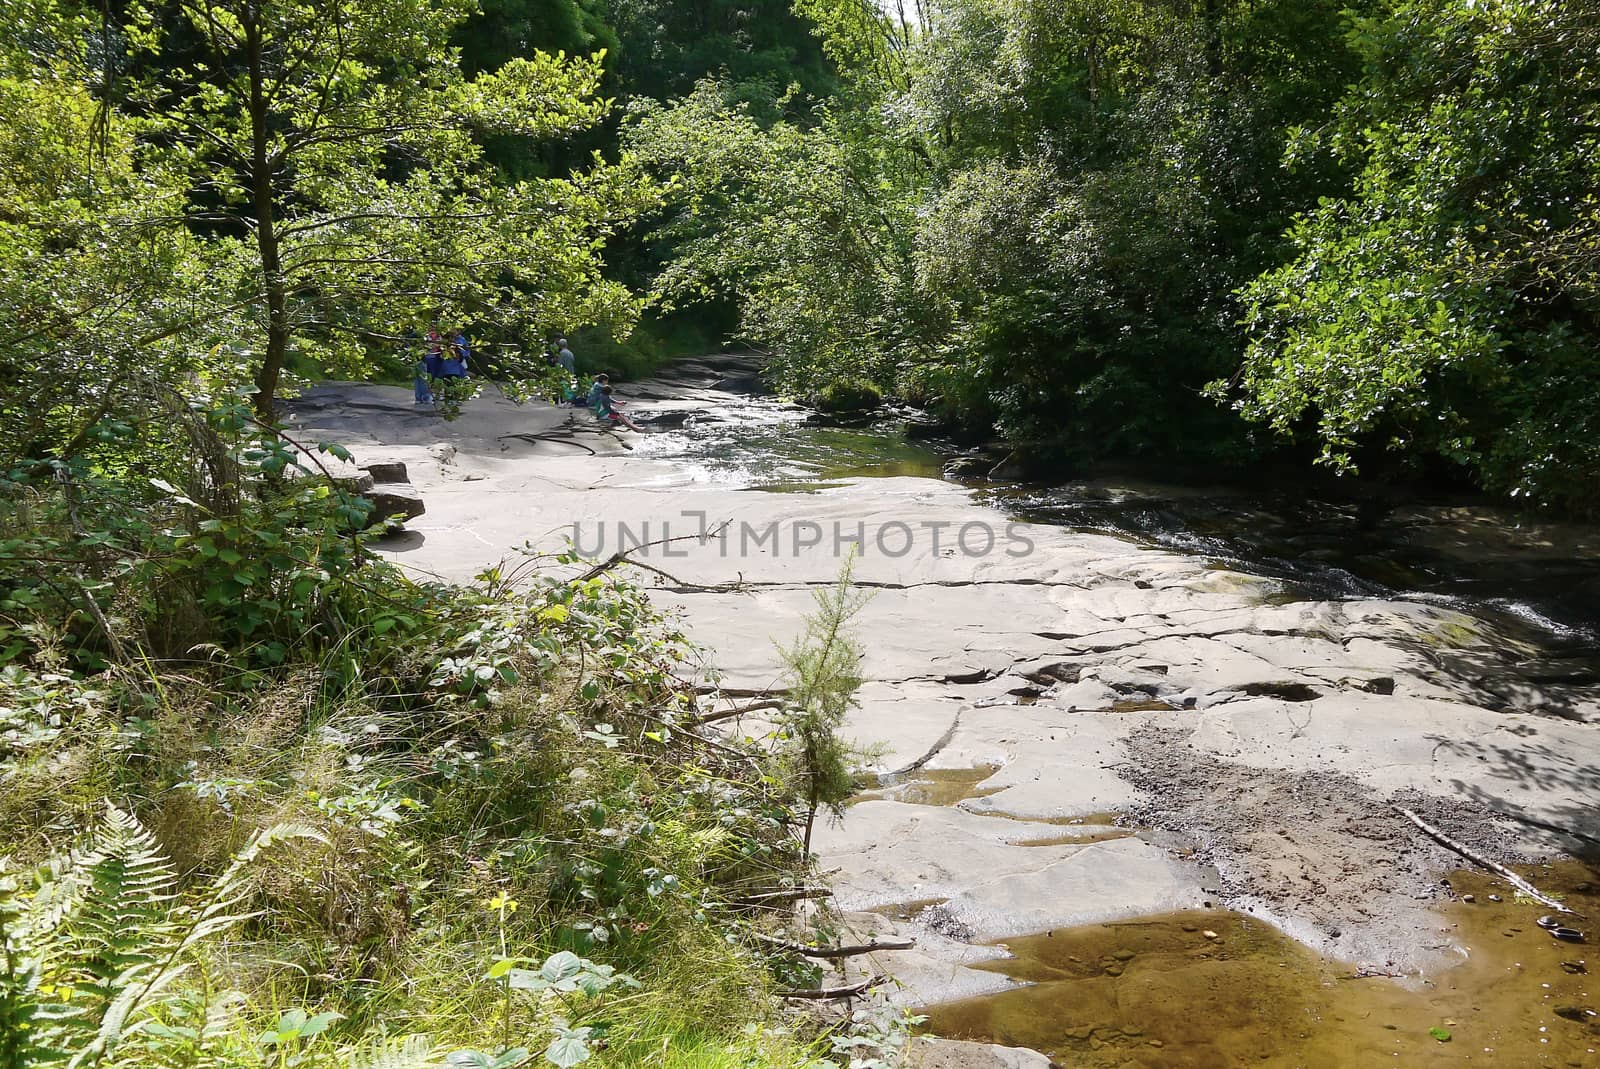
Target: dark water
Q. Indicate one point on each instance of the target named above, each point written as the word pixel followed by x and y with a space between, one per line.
pixel 1529 575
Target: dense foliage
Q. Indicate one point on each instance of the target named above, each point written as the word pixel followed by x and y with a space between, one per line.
pixel 267 799
pixel 268 178
pixel 1449 304
pixel 270 801
pixel 1113 227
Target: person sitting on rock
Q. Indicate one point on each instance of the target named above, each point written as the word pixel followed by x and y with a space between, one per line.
pixel 609 412
pixel 600 382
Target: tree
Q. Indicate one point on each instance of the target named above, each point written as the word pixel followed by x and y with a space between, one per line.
pixel 1028 215
pixel 322 166
pixel 795 223
pixel 757 48
pixel 823 670
pixel 1448 308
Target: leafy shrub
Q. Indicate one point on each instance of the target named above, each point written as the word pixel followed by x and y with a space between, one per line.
pixel 848 395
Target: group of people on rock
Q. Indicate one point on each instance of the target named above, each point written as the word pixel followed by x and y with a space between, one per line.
pixel 599 398
pixel 443 355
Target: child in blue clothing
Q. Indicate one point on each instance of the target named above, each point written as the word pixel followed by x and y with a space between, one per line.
pixel 608 410
pixel 600 382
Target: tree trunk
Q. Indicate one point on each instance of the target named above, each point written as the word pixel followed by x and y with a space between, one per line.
pixel 811 819
pixel 262 206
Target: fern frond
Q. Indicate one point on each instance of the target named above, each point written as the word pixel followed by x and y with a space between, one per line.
pixel 123 921
pixel 219 912
pixel 412 1052
pixel 95 939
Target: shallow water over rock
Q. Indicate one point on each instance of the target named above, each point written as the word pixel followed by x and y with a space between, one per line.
pixel 1536 583
pixel 1205 989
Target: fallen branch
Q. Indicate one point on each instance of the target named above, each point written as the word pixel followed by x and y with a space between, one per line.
pixel 642 566
pixel 1478 859
pixel 731 751
pixel 849 991
pixel 729 714
pixel 621 555
pixel 834 952
pixel 793 894
pixel 532 438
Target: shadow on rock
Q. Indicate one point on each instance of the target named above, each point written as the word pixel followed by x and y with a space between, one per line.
pixel 402 541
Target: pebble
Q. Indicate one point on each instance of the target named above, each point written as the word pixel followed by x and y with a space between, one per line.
pixel 1209 934
pixel 1469 898
pixel 1494 898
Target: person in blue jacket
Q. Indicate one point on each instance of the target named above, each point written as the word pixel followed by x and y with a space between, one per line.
pixel 454 364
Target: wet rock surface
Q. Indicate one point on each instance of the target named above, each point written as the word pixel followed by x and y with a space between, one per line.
pixel 1224 736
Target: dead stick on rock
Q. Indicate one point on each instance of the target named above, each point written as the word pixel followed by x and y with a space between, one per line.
pixel 534 439
pixel 621 556
pixel 729 714
pixel 794 894
pixel 1478 859
pixel 850 991
pixel 835 952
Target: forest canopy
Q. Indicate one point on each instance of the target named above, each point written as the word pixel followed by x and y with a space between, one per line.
pixel 1361 234
pixel 1355 233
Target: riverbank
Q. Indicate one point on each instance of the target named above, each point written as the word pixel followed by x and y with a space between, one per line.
pixel 1131 731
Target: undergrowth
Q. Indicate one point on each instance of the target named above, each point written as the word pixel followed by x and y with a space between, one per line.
pixel 271 802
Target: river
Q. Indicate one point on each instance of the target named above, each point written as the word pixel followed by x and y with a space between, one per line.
pixel 1138 784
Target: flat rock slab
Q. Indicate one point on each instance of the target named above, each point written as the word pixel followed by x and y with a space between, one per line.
pixel 928 1052
pixel 1089 885
pixel 1271 737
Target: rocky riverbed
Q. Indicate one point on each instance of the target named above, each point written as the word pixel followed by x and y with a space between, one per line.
pixel 1076 730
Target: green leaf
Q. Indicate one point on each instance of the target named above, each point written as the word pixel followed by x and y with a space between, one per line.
pixel 561 965
pixel 1441 1034
pixel 319 1024
pixel 526 980
pixel 569 1048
